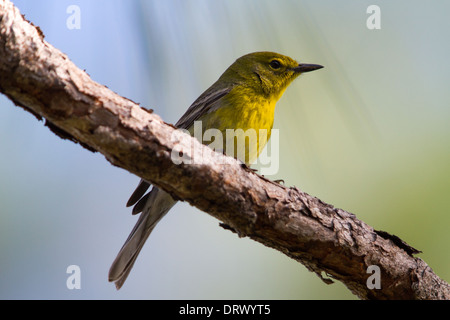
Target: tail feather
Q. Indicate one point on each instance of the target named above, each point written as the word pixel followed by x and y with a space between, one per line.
pixel 139 206
pixel 119 272
pixel 138 193
pixel 157 205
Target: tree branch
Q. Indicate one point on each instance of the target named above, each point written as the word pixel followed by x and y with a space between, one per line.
pixel 43 81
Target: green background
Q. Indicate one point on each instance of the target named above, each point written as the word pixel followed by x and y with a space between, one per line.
pixel 369 133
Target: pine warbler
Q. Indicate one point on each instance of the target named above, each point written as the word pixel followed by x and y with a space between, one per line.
pixel 244 97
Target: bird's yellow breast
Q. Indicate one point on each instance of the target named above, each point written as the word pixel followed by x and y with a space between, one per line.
pixel 245 123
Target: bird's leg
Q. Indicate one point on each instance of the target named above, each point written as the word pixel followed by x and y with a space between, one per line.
pixel 246 167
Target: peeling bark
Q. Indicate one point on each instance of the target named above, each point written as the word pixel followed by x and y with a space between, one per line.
pixel 327 240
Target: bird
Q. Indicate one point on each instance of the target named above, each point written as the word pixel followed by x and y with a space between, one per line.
pixel 244 97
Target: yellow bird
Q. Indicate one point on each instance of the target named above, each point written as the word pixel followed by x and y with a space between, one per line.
pixel 244 97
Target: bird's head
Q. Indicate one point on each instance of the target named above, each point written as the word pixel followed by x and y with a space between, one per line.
pixel 268 72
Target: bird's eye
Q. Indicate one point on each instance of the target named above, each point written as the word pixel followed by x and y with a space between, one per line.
pixel 275 64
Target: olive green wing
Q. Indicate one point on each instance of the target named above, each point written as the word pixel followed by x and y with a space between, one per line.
pixel 206 103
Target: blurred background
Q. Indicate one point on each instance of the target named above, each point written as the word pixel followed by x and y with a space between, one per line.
pixel 369 133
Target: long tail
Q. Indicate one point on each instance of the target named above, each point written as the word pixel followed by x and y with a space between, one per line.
pixel 155 205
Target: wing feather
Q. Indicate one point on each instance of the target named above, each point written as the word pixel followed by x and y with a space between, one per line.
pixel 203 105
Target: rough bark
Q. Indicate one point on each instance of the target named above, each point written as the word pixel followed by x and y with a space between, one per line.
pixel 327 240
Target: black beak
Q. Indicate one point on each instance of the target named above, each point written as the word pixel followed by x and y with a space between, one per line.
pixel 304 67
